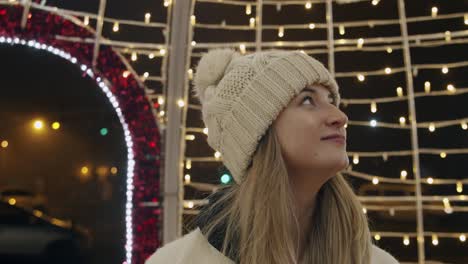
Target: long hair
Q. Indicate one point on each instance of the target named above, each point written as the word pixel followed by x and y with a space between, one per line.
pixel 260 225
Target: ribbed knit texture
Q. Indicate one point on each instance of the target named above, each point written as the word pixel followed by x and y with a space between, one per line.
pixel 241 96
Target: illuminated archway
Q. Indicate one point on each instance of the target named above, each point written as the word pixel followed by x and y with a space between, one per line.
pixel 128 99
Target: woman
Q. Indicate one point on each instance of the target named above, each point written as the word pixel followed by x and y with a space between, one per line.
pixel 274 117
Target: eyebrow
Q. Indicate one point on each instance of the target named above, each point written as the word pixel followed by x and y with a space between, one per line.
pixel 330 94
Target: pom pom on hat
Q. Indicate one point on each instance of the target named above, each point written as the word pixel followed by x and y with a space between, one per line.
pixel 210 70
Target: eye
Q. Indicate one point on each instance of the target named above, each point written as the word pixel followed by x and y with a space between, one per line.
pixel 308 98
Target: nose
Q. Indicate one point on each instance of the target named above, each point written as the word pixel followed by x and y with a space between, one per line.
pixel 337 118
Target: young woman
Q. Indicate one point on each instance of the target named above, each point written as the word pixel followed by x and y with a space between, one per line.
pixel 274 117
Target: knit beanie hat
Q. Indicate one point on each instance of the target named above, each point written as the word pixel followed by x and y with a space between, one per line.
pixel 241 96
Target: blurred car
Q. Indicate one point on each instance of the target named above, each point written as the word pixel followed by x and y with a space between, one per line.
pixel 30 236
pixel 23 198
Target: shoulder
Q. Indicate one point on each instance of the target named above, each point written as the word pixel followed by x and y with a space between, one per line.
pixel 173 252
pixel 381 256
pixel 191 248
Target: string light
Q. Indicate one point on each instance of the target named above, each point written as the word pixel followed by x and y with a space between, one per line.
pixel 443 155
pixel 388 70
pixel 399 91
pixel 462 238
pixel 252 22
pixel 193 20
pixel 434 11
pixel 308 5
pixel 389 50
pixel 162 51
pixel 447 208
pixel 430 180
pixel 311 26
pixel 242 48
pixel 373 107
pixel 403 174
pixel 205 131
pixel 194 43
pixel 375 2
pixel 342 30
pixel 190 74
pixel 431 127
pixel 180 103
pixel 402 120
pixel 187 178
pixel 134 56
pixel 188 164
pixel 147 18
pixel 115 28
pixel 4 144
pixel 113 170
pixel 86 20
pixel 373 123
pixel 466 19
pixel 364 210
pixel 427 87
pixel 464 125
pixel 377 237
pixel 125 74
pixel 375 181
pixel 361 77
pixel 167 3
pixel 435 241
pixel 360 43
pixel 160 100
pixel 151 56
pixel 445 70
pixel 248 9
pixel 451 88
pixel 281 32
pixel 406 240
pixel 145 75
pixel 355 158
pixel 448 36
pixel 217 154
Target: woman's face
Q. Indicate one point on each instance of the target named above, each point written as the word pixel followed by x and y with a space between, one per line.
pixel 302 128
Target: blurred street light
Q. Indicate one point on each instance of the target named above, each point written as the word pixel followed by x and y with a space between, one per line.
pixel 55 125
pixel 38 124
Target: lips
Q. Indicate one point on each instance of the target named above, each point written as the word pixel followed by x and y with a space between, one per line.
pixel 334 136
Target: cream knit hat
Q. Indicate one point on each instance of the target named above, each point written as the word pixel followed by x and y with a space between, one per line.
pixel 241 96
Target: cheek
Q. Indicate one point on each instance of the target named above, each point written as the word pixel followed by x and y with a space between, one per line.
pixel 301 141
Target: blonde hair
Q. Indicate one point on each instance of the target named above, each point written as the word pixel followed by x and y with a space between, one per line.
pixel 261 223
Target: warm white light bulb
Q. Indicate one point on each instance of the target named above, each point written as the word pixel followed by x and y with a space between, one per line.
pixel 399 91
pixel 180 103
pixel 403 174
pixel 430 180
pixel 248 9
pixel 115 28
pixel 361 77
pixel 434 11
pixel 427 87
pixel 308 5
pixel 375 180
pixel 431 127
pixel 281 32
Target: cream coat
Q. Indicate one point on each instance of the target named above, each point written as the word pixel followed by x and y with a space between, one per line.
pixel 194 248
